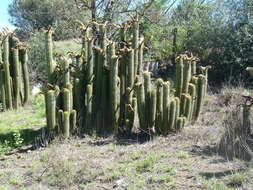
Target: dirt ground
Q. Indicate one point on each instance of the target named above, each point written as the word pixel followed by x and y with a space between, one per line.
pixel 186 160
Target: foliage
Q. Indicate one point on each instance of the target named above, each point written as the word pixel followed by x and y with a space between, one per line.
pixel 20 127
pixel 30 15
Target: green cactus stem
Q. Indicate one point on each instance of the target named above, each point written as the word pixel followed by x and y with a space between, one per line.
pixel 2 90
pixel 180 123
pixel 88 106
pixel 194 67
pixel 172 116
pixel 153 106
pixel 166 103
pixel 177 100
pixel 66 75
pixel 188 107
pixel 51 109
pixel 200 95
pixel 49 55
pixel 66 100
pixel 60 121
pixel 187 76
pixel 141 107
pixel 91 53
pixel 192 92
pixel 135 44
pixel 8 86
pixel 194 81
pixel 130 69
pixel 140 56
pixel 182 104
pixel 24 61
pixel 147 89
pixel 77 95
pixel 159 106
pixel 16 79
pixel 179 76
pixel 73 115
pixel 66 124
pixel 113 87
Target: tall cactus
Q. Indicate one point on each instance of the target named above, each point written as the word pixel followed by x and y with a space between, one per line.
pixel 152 112
pixel 66 124
pixel 49 55
pixel 141 107
pixel 172 116
pixel 147 90
pixel 88 106
pixel 200 94
pixel 166 103
pixel 159 109
pixel 24 61
pixel 16 78
pixel 179 76
pixel 113 87
pixel 51 109
pixel 135 44
pixel 8 86
pixel 186 76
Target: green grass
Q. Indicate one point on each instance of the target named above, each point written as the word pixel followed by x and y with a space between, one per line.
pixel 19 127
pixel 65 46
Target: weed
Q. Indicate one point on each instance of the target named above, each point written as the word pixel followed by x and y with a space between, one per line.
pixel 237 179
pixel 16 180
pixel 146 164
pixel 183 155
pixel 214 185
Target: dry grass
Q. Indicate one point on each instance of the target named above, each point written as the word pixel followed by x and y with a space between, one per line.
pixel 186 160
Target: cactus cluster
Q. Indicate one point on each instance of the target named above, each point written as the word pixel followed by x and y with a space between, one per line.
pixel 104 89
pixel 160 110
pixel 14 77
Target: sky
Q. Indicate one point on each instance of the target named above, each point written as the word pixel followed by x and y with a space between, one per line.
pixel 4 16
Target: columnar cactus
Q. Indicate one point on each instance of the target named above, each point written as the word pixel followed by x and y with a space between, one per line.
pixel 113 87
pixel 135 44
pixel 186 76
pixel 49 55
pixel 159 106
pixel 110 88
pixel 166 103
pixel 172 116
pixel 88 107
pixel 51 109
pixel 200 94
pixel 24 61
pixel 141 107
pixel 16 79
pixel 179 76
pixel 6 65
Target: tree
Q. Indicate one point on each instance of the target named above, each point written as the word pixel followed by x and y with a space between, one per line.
pixel 30 15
